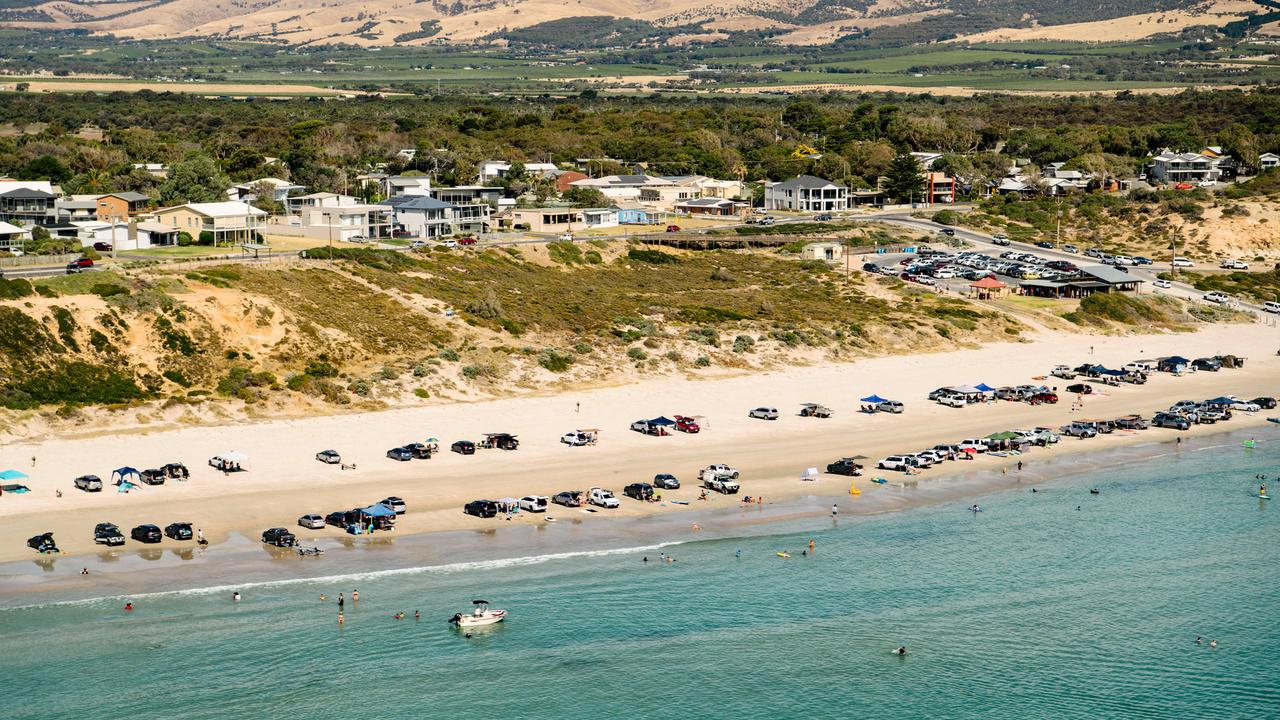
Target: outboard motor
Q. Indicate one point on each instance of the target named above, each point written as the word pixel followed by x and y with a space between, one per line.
pixel 455 619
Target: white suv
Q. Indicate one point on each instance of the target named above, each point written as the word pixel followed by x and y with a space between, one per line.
pixel 1182 262
pixel 764 413
pixel 1217 297
pixel 893 462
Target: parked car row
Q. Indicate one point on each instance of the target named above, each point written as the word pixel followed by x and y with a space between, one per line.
pixel 968 447
pixel 109 533
pixel 152 476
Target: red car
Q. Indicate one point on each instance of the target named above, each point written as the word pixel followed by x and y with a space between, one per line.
pixel 1044 398
pixel 673 228
pixel 468 240
pixel 686 424
pixel 79 265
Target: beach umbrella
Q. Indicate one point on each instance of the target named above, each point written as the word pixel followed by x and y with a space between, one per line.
pixel 12 475
pixel 873 399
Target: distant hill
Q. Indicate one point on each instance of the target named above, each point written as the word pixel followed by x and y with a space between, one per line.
pixel 581 23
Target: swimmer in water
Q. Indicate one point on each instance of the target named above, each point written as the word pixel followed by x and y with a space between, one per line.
pixel 738 553
pixel 84 571
pixel 902 650
pixel 235 596
pixel 416 615
pixel 1199 640
pixel 1213 643
pixel 128 606
pixel 975 508
pixel 324 598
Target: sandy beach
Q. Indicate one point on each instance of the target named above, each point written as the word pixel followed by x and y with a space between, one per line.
pixel 283 480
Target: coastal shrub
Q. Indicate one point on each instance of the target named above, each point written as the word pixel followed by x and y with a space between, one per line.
pixel 15 289
pixel 387 373
pixel 554 360
pixel 652 257
pixel 243 383
pixel 176 378
pixel 947 217
pixel 46 291
pixel 171 338
pixel 69 383
pixel 477 371
pixel 321 369
pixel 360 387
pixel 674 356
pixel 582 348
pixel 488 307
pixel 593 257
pixel 564 252
pixel 422 393
pixel 636 353
pixel 66 327
pixel 106 290
pixel 184 239
pixel 449 355
pixel 702 361
pixel 207 238
pixel 743 344
pixel 652 343
pixel 511 326
pixel 706 314
pixel 421 370
pixel 815 266
pixel 705 335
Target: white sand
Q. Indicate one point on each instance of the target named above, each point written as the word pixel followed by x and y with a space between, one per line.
pixel 283 480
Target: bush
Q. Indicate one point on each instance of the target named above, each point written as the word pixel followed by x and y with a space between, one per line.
pixel 422 393
pixel 449 355
pixel 360 387
pixel 947 217
pixel 479 370
pixel 489 307
pixel 652 257
pixel 207 237
pixel 582 348
pixel 184 239
pixel 702 361
pixel 564 252
pixel 15 289
pixel 241 382
pixel 320 368
pixel 554 360
pixel 636 353
pixel 107 290
pixel 743 343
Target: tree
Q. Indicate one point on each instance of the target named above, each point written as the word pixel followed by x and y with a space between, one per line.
pixel 207 237
pixel 196 179
pixel 903 181
pixel 184 239
pixel 46 167
pixel 585 197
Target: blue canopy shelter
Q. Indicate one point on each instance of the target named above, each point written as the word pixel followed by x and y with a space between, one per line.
pixel 873 399
pixel 120 476
pixel 12 475
pixel 983 387
pixel 662 420
pixel 377 511
pixel 1112 373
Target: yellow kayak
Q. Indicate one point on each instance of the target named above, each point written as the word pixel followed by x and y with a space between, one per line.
pixel 784 554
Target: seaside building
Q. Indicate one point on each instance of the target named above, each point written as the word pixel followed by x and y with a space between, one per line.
pixel 806 193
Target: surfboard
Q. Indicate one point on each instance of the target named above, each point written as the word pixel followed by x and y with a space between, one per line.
pixel 1262 497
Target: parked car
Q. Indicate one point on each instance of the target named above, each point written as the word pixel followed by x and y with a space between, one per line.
pixel 466 240
pixel 666 481
pixel 639 491
pixel 152 476
pixel 1132 422
pixel 568 498
pixel 1064 372
pixel 1245 406
pixel 1207 364
pixel 1070 248
pixel 648 428
pixel 79 265
pixel 1080 430
pixel 1182 262
pixel 533 503
pixel 149 534
pixel 721 483
pixel 463 447
pixel 1046 244
pixel 394 503
pixel 102 246
pixel 575 439
pixel 764 413
pixel 451 243
pixel 340 518
pixel 894 462
pixel 1271 306
pixel 1266 403
pixel 400 454
pixel 500 441
pixel 949 232
pixel 890 406
pixel 815 410
pixel 1234 265
pixel 952 400
pixel 280 537
pixel 1080 389
pixel 822 217
pixel 417 244
pixel 1220 298
pixel 311 522
pixel 88 483
pixel 603 498
pixel 421 451
pixel 107 534
pixel 1162 284
pixel 329 457
pixel 178 531
pixel 687 424
pixel 673 228
pixel 1043 398
pixel 845 466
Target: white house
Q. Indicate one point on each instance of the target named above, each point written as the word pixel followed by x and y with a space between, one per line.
pixel 279 190
pixel 496 169
pixel 1267 161
pixel 600 218
pixel 12 237
pixel 806 193
pixel 230 222
pixel 1171 167
pixel 631 187
pixel 394 185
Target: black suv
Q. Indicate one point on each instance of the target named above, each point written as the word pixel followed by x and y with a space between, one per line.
pixel 481 508
pixel 338 519
pixel 107 534
pixel 1266 403
pixel 153 477
pixel 844 466
pixel 149 534
pixel 464 447
pixel 639 491
pixel 420 451
pixel 178 530
pixel 279 537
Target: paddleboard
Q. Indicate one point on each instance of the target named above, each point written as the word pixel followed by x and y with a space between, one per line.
pixel 1262 497
pixel 679 502
pixel 880 481
pixel 783 554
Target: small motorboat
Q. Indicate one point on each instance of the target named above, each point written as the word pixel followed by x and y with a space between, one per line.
pixel 482 615
pixel 1094 491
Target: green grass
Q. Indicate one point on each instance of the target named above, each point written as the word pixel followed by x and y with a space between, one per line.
pixel 191 251
pixel 81 283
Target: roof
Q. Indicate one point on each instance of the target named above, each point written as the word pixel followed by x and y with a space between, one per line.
pixel 987 283
pixel 129 196
pixel 806 181
pixel 156 227
pixel 622 181
pixel 78 205
pixel 705 202
pixel 421 202
pixel 1109 274
pixel 273 182
pixel 408 180
pixel 22 192
pixel 230 208
pixel 8 229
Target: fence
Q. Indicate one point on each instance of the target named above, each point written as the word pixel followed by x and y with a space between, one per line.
pixel 29 260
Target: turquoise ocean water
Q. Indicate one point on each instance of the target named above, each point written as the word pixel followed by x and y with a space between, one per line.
pixel 1030 609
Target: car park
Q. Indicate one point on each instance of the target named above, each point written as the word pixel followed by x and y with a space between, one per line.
pixel 463 447
pixel 666 481
pixel 639 491
pixel 329 457
pixel 181 531
pixel 88 483
pixel 568 498
pixel 149 534
pixel 400 454
pixel 394 503
pixel 764 413
pixel 311 522
pixel 279 537
pixel 107 534
pixel 534 503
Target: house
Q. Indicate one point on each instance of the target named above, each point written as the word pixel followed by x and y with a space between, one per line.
pixel 1013 186
pixel 491 170
pixel 121 205
pixel 347 221
pixel 1170 167
pixel 76 207
pixel 873 198
pixel 600 218
pixel 709 206
pixel 939 188
pixel 420 215
pixel 278 190
pixel 666 197
pixel 1088 280
pixel 926 159
pixel 1268 161
pixel 548 220
pixel 473 203
pixel 806 193
pixel 28 202
pixel 393 185
pixel 829 251
pixel 12 237
pixel 710 187
pixel 629 187
pixel 566 179
pixel 633 213
pixel 230 222
pixel 296 204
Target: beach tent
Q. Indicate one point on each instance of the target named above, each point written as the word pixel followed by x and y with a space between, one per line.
pixel 983 387
pixel 121 475
pixel 377 511
pixel 965 389
pixel 1006 435
pixel 662 420
pixel 12 475
pixel 1112 373
pixel 873 399
pixel 809 474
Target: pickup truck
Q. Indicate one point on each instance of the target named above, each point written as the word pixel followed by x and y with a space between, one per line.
pixel 1064 372
pixel 1080 430
pixel 719 469
pixel 720 483
pixel 603 498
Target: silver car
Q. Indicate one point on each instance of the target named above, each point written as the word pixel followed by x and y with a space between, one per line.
pixel 764 413
pixel 311 522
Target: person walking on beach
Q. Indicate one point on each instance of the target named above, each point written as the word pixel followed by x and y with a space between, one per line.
pixel 1019 466
pixel 200 537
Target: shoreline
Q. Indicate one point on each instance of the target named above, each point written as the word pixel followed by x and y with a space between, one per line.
pixel 283 481
pixel 240 562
